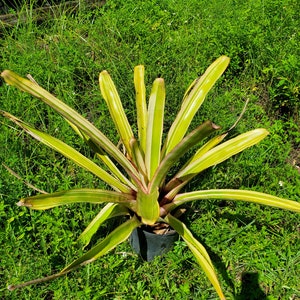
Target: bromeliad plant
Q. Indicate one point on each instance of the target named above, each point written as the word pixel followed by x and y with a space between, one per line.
pixel 139 176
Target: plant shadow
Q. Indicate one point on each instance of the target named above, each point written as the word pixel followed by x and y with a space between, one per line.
pixel 218 264
pixel 250 288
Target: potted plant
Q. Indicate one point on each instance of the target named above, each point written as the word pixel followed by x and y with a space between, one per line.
pixel 139 176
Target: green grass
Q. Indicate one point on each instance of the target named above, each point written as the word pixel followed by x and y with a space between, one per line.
pixel 177 41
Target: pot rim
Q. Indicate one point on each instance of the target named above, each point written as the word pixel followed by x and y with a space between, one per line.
pixel 168 230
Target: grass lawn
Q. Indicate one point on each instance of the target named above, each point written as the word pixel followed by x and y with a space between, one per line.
pixel 255 249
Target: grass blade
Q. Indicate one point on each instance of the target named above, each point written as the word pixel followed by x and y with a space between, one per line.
pixel 24 181
pixel 46 201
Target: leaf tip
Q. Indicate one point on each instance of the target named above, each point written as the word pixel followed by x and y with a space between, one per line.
pixel 262 131
pixel 11 287
pixel 224 58
pixel 22 203
pixel 103 73
pixel 160 80
pixel 215 126
pixel 139 68
pixel 4 73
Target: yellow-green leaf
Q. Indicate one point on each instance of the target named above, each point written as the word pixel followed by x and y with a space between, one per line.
pixel 192 101
pixel 182 147
pixel 206 147
pixel 119 235
pixel 215 156
pixel 96 196
pixel 103 156
pixel 237 195
pixel 138 160
pixel 155 126
pixel 141 105
pixel 147 206
pixel 70 114
pixel 199 252
pixel 111 96
pixel 70 153
pixel 109 211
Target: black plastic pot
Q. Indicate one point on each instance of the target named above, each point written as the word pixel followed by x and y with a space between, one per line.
pixel 148 244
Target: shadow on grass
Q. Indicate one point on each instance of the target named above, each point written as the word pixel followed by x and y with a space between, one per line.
pixel 219 265
pixel 250 288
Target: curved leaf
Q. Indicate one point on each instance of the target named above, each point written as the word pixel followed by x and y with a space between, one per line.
pixel 155 126
pixel 237 195
pixel 222 152
pixel 199 252
pixel 215 156
pixel 141 105
pixel 206 147
pixel 192 101
pixel 46 201
pixel 189 141
pixel 74 117
pixel 216 140
pixel 119 235
pixel 111 96
pixel 138 160
pixel 103 157
pixel 70 153
pixel 109 211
